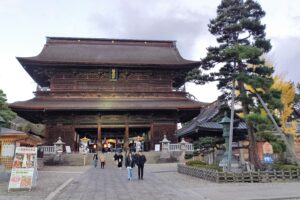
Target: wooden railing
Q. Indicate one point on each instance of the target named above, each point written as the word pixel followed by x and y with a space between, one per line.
pixel 177 147
pixel 48 149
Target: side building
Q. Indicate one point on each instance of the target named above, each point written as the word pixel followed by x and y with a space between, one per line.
pixel 108 89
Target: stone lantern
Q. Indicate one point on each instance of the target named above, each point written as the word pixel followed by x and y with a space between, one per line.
pixel 224 162
pixel 182 149
pixel 183 144
pixel 226 126
pixel 165 144
pixel 59 146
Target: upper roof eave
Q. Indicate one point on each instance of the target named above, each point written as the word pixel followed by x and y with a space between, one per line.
pixel 34 61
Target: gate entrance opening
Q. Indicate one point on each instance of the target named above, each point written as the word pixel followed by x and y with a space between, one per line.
pixel 112 139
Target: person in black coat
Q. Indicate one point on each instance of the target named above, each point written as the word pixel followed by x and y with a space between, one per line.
pixel 116 157
pixel 95 159
pixel 120 160
pixel 129 164
pixel 140 161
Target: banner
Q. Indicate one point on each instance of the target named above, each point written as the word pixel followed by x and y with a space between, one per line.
pixel 24 169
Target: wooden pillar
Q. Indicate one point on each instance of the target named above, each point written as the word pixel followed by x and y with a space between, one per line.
pixel 151 136
pixel 75 144
pixel 99 137
pixel 116 142
pixel 126 138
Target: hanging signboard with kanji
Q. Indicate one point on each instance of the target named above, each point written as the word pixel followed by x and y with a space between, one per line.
pixel 24 169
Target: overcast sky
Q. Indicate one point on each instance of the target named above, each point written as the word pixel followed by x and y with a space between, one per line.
pixel 25 24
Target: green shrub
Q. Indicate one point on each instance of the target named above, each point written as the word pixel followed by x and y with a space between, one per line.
pixel 212 167
pixel 195 162
pixel 285 167
pixel 203 165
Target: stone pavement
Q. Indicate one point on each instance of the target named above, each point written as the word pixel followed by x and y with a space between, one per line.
pixel 161 181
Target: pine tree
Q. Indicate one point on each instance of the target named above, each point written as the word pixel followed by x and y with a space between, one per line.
pixel 5 112
pixel 241 37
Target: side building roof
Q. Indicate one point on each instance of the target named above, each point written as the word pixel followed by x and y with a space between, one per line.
pixel 204 121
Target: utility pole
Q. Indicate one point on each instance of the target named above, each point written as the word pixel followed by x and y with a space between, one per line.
pixel 231 125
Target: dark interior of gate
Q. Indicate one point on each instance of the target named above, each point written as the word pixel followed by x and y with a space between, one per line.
pixel 112 139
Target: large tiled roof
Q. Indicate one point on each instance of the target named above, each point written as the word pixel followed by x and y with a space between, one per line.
pixel 106 52
pixel 105 104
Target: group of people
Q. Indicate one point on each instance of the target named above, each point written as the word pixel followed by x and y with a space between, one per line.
pixel 102 160
pixel 131 160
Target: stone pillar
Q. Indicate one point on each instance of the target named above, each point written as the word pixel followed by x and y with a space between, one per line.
pixel 182 149
pixel 99 136
pixel 126 138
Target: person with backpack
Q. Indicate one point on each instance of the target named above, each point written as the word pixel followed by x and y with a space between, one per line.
pixel 140 161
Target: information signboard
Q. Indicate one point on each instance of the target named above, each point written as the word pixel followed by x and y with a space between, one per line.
pixel 157 147
pixel 68 149
pixel 8 150
pixel 24 168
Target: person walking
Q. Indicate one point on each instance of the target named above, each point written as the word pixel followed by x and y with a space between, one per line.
pixel 102 160
pixel 120 160
pixel 95 159
pixel 129 164
pixel 140 161
pixel 116 157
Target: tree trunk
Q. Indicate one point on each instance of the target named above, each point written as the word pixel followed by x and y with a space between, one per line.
pixel 253 154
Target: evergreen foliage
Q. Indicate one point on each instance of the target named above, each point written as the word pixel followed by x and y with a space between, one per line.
pixel 5 111
pixel 242 43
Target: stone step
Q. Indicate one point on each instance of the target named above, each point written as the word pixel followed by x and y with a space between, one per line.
pixel 77 159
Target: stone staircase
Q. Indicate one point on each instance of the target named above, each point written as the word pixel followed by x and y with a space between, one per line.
pixel 77 159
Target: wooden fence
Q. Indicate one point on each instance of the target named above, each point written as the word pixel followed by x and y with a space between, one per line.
pixel 245 177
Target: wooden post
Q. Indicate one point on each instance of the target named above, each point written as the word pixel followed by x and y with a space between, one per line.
pixel 126 138
pixel 151 137
pixel 99 136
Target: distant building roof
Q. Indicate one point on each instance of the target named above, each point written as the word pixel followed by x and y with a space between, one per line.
pixel 7 131
pixel 204 121
pixel 21 136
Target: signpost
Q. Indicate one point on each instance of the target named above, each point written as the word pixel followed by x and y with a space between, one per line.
pixel 24 169
pixel 267 153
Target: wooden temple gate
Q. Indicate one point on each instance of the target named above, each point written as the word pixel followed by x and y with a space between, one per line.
pixel 103 84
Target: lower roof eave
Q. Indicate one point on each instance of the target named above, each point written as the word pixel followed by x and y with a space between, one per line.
pixel 16 109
